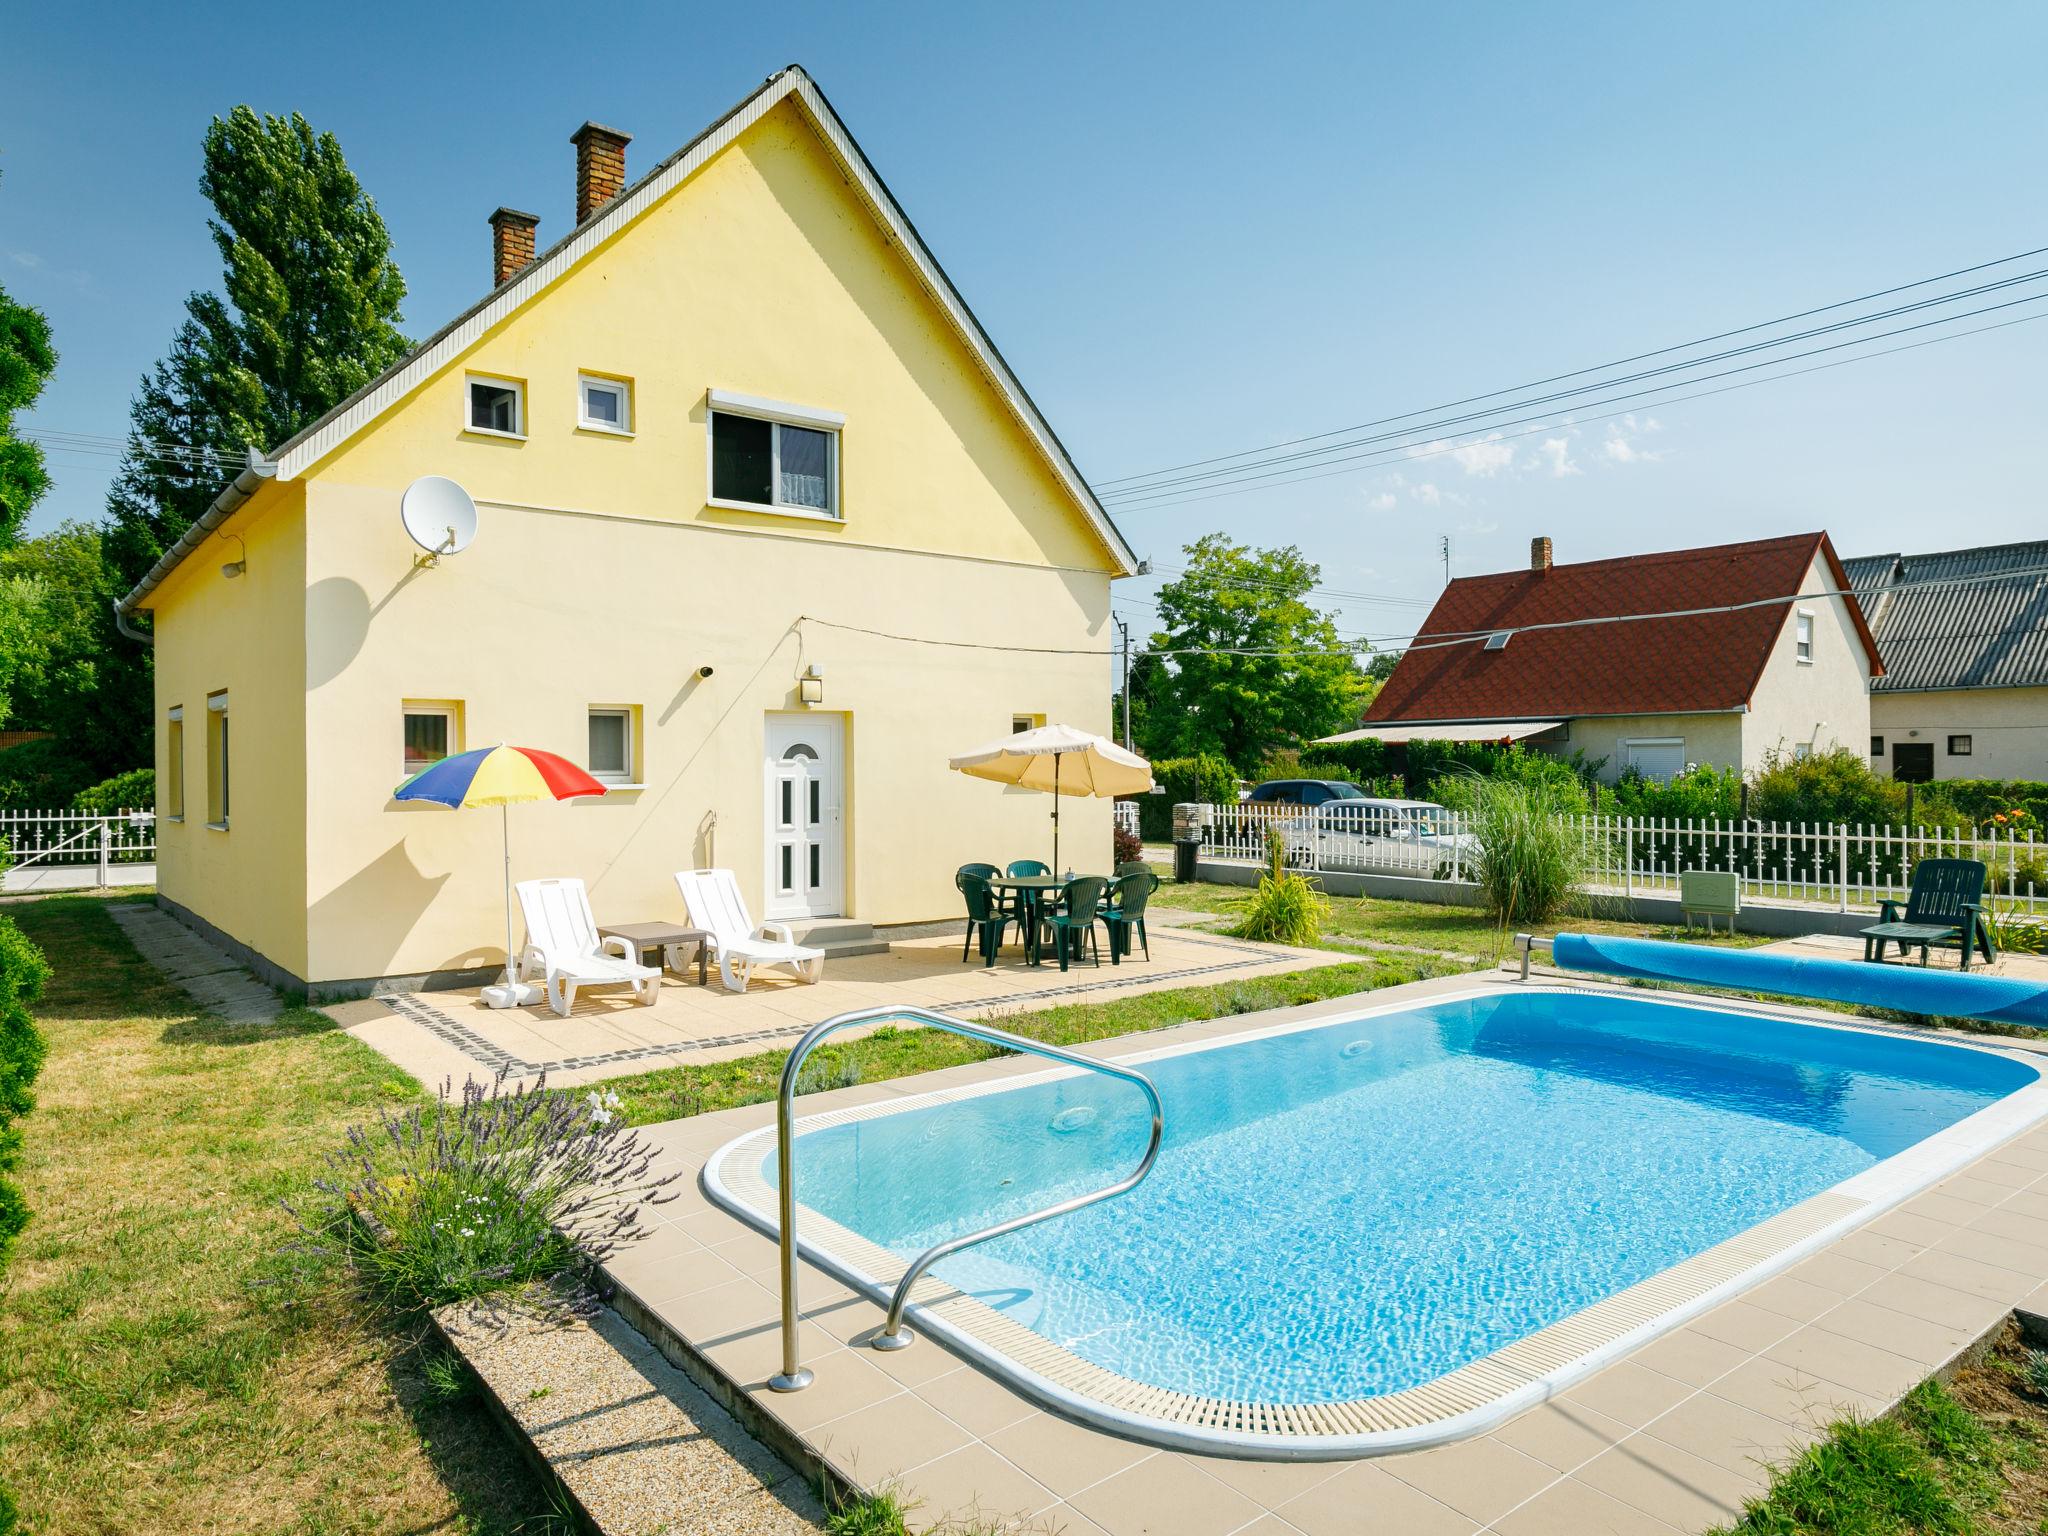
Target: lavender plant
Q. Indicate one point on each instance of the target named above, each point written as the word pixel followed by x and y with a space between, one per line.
pixel 484 1190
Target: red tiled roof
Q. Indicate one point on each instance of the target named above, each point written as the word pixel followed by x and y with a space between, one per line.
pixel 1652 666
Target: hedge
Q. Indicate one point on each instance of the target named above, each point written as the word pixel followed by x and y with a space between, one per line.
pixel 1206 780
pixel 23 970
pixel 134 790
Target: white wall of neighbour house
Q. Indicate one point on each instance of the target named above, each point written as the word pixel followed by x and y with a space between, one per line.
pixel 2007 727
pixel 1818 704
pixel 1705 738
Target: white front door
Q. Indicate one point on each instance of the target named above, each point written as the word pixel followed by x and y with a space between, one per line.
pixel 805 767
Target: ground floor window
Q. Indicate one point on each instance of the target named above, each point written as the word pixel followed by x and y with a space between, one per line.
pixel 1658 758
pixel 174 764
pixel 611 743
pixel 1959 746
pixel 217 803
pixel 432 731
pixel 1877 746
pixel 1020 723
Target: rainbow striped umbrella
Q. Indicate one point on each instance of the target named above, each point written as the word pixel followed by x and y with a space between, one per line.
pixel 499 776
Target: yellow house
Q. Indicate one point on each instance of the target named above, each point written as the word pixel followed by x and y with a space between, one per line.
pixel 767 530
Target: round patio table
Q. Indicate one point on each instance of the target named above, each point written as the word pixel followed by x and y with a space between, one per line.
pixel 1033 889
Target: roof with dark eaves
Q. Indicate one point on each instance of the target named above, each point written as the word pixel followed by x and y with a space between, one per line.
pixel 1964 618
pixel 1684 661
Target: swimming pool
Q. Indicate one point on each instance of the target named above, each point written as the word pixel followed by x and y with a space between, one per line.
pixel 1391 1228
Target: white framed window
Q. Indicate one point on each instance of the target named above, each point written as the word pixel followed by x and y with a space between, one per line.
pixel 604 404
pixel 432 731
pixel 767 455
pixel 611 759
pixel 1802 637
pixel 217 805
pixel 1020 723
pixel 493 406
pixel 1801 751
pixel 174 763
pixel 1659 758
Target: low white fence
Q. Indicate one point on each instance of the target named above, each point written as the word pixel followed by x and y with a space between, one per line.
pixel 73 839
pixel 1814 864
pixel 1127 816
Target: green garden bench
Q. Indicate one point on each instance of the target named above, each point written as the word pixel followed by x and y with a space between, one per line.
pixel 1945 909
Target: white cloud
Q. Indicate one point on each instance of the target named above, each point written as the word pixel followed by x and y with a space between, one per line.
pixel 1487 458
pixel 27 259
pixel 1557 451
pixel 1479 528
pixel 1622 443
pixel 1427 494
pixel 1382 501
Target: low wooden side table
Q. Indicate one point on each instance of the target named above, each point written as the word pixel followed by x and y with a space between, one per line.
pixel 669 938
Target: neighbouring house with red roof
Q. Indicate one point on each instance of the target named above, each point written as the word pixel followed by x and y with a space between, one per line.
pixel 1719 655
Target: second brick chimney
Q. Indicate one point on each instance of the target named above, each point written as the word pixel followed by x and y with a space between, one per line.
pixel 1539 553
pixel 600 166
pixel 511 243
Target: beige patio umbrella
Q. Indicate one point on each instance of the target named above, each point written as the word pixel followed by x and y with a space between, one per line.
pixel 1063 760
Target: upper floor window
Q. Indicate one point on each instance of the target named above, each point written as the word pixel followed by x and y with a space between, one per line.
pixel 174 764
pixel 496 406
pixel 770 455
pixel 1802 637
pixel 604 405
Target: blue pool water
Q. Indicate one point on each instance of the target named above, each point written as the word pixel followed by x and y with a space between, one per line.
pixel 1348 1210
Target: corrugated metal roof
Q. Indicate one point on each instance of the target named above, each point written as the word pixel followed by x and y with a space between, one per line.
pixel 1987 630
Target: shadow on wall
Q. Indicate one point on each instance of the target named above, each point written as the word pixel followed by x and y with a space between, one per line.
pixel 362 922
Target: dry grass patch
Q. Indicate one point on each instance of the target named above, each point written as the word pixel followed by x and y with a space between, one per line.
pixel 160 1367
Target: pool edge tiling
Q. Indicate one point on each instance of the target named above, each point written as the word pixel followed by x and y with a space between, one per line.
pixel 1469 1400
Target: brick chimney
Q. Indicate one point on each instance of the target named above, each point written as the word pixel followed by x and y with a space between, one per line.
pixel 511 242
pixel 1539 553
pixel 600 166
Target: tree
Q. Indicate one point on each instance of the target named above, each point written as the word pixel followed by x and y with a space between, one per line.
pixel 27 359
pixel 1247 664
pixel 307 316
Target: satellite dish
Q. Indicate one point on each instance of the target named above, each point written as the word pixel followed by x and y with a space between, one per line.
pixel 438 516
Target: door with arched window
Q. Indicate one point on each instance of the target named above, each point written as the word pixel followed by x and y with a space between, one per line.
pixel 805 769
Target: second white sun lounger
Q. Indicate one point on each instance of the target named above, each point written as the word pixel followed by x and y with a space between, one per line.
pixel 737 944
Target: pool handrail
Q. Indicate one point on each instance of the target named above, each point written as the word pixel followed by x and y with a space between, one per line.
pixel 795 1376
pixel 1524 942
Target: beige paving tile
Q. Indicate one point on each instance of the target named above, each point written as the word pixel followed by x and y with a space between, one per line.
pixel 1962 1273
pixel 1265 1525
pixel 1743 1325
pixel 1482 1479
pixel 1562 1434
pixel 1875 1248
pixel 974 1483
pixel 1792 1396
pixel 1672 1484
pixel 2028 1202
pixel 888 1438
pixel 1800 1300
pixel 1728 1434
pixel 1837 1272
pixel 1917 1338
pixel 2010 1177
pixel 1973 1186
pixel 844 1384
pixel 1631 1393
pixel 1165 1496
pixel 1909 1225
pixel 1065 1520
pixel 1855 1364
pixel 1690 1356
pixel 1064 1456
pixel 1365 1497
pixel 1573 1508
pixel 1967 1310
pixel 2017 1225
pixel 2004 1252
pixel 1268 1483
pixel 977 1403
pixel 1952 1209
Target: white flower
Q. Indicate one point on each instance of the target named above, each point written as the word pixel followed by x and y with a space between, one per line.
pixel 468 1232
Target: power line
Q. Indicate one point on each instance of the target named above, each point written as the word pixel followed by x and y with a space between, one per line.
pixel 1577 372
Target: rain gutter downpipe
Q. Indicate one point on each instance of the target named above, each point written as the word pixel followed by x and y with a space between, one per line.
pixel 225 505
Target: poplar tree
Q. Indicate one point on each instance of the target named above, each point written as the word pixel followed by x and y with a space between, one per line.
pixel 27 359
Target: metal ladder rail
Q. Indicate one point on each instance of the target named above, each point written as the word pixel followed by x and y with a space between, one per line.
pixel 795 1376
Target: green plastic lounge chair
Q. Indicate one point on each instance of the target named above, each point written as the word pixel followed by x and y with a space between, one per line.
pixel 1945 909
pixel 986 916
pixel 1127 912
pixel 1080 905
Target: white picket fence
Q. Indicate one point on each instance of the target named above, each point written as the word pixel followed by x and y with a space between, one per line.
pixel 70 839
pixel 1848 868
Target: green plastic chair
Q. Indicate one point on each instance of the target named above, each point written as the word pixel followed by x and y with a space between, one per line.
pixel 1080 906
pixel 1023 903
pixel 986 915
pixel 1127 912
pixel 1945 909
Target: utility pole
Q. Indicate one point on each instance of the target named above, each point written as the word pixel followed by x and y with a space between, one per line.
pixel 1124 625
pixel 1443 547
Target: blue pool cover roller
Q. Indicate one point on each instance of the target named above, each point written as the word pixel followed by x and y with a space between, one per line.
pixel 1911 989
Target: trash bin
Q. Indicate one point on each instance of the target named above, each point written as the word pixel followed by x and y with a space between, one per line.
pixel 1185 853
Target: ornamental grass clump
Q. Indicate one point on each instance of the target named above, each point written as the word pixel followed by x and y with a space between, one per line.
pixel 1286 908
pixel 1531 861
pixel 485 1190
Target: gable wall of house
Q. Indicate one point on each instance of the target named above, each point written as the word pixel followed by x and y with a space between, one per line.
pixel 1821 705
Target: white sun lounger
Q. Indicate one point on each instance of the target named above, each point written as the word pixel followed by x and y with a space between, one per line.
pixel 562 947
pixel 737 943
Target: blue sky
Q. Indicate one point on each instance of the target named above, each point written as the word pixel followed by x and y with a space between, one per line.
pixel 1196 229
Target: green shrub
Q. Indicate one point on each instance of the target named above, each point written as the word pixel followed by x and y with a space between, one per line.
pixel 40 776
pixel 483 1191
pixel 1977 801
pixel 1206 780
pixel 1836 785
pixel 1703 792
pixel 23 970
pixel 1531 862
pixel 134 790
pixel 1286 908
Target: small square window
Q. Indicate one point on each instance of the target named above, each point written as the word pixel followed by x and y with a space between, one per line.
pixel 1019 724
pixel 1877 746
pixel 1959 746
pixel 497 406
pixel 1802 639
pixel 431 733
pixel 611 745
pixel 605 405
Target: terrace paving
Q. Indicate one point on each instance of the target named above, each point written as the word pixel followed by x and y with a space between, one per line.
pixel 1672 1438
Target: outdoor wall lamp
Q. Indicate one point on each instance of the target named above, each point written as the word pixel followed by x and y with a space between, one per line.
pixel 810 688
pixel 704 671
pixel 235 568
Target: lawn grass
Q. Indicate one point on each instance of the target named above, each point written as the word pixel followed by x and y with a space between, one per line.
pixel 674 1092
pixel 150 1378
pixel 1963 1459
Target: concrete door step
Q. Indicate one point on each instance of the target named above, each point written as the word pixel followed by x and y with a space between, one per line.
pixel 839 937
